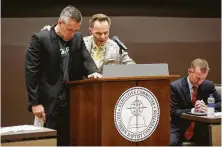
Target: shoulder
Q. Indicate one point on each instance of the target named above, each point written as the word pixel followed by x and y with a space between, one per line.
pixel 77 39
pixel 88 39
pixel 179 83
pixel 111 43
pixel 88 42
pixel 78 34
pixel 39 37
pixel 42 34
pixel 207 84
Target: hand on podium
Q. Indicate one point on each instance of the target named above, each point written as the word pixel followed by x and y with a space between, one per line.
pixel 94 75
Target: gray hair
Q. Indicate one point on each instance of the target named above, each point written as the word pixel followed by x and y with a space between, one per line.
pixel 71 12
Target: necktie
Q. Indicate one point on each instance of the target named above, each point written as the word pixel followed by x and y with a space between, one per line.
pixel 189 132
pixel 97 53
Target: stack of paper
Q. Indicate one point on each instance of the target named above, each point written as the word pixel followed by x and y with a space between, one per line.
pixel 19 128
pixel 218 114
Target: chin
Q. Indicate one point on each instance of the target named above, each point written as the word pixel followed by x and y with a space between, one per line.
pixel 67 39
pixel 101 43
pixel 197 85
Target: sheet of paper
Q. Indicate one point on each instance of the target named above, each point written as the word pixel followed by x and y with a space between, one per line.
pixel 19 128
pixel 38 122
pixel 218 114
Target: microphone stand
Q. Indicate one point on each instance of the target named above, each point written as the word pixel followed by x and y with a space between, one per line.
pixel 121 50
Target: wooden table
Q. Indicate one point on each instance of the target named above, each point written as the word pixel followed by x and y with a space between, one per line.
pixel 202 119
pixel 214 126
pixel 43 137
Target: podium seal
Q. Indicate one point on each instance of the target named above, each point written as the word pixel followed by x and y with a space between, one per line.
pixel 136 114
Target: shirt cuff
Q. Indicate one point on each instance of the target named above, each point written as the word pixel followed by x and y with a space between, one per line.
pixel 192 110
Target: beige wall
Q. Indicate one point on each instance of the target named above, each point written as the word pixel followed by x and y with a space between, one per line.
pixel 175 41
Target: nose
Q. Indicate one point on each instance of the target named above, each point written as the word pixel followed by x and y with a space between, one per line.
pixel 103 36
pixel 72 34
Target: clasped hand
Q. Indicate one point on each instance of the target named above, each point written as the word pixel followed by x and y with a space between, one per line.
pixel 200 106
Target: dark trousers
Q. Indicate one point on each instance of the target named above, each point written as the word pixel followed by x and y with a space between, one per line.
pixel 200 137
pixel 175 139
pixel 59 120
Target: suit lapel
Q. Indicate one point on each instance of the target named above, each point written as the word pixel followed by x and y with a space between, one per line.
pixel 88 43
pixel 72 46
pixel 56 47
pixel 72 49
pixel 186 90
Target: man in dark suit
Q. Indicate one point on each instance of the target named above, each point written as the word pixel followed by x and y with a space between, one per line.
pixel 53 58
pixel 189 94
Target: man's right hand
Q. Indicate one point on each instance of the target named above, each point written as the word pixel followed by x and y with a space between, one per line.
pixel 95 75
pixel 38 110
pixel 47 28
pixel 200 106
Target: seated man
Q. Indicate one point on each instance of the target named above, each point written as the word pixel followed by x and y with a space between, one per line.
pixel 189 94
pixel 103 50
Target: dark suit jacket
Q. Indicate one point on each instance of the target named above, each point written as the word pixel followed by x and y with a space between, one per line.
pixel 43 67
pixel 181 101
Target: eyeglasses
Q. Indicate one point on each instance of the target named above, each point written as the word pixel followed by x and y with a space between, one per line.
pixel 70 30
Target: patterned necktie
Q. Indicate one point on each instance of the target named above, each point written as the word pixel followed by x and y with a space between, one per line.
pixel 189 132
pixel 97 53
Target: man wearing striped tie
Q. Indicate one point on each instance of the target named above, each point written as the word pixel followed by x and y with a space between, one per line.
pixel 189 94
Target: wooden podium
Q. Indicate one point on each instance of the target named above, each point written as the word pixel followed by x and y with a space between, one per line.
pixel 92 104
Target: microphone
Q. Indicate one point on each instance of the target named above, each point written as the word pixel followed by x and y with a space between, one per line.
pixel 119 43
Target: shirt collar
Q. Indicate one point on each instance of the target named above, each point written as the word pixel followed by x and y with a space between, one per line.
pixel 189 84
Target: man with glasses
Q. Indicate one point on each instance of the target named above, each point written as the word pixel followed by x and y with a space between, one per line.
pixel 189 94
pixel 53 58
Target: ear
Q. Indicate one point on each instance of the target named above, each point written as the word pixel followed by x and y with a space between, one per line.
pixel 90 30
pixel 59 22
pixel 189 70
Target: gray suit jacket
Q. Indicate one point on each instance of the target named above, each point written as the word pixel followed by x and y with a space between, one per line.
pixel 112 55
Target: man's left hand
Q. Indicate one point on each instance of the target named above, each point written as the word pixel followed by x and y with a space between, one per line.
pixel 200 106
pixel 47 28
pixel 95 75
